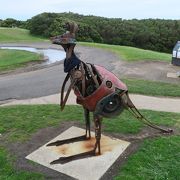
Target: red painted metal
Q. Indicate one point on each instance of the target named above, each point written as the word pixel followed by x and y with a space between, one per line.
pixel 89 102
pixel 107 75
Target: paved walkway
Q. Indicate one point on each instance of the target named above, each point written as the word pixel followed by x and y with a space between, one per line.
pixel 141 102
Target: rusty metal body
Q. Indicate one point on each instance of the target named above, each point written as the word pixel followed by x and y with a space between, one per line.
pixel 98 90
pixel 90 102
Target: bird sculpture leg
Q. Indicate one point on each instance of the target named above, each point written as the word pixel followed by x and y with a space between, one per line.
pixel 97 123
pixel 63 160
pixel 87 120
pixel 79 138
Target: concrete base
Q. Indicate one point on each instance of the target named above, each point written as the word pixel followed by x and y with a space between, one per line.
pixel 173 75
pixel 89 168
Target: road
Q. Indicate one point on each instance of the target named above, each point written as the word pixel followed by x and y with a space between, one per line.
pixel 47 81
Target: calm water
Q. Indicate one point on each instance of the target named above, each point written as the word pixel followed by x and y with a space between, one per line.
pixel 52 54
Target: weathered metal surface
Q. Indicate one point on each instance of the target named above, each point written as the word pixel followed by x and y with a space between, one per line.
pixel 107 75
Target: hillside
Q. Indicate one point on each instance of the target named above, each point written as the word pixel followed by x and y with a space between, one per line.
pixel 132 54
pixel 153 34
pixel 17 35
pixel 124 52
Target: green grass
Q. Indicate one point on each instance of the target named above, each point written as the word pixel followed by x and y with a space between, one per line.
pixel 7 171
pixel 131 53
pixel 153 88
pixel 20 122
pixel 153 161
pixel 128 124
pixel 11 59
pixel 8 35
pixel 157 159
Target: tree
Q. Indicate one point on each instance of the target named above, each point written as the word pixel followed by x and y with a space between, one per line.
pixel 39 25
pixel 154 34
pixel 10 22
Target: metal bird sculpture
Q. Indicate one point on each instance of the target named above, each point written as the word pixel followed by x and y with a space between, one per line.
pixel 98 90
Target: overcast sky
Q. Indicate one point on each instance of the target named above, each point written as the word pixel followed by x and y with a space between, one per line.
pixel 126 9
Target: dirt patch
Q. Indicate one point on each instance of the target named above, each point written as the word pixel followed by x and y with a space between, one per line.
pixel 148 70
pixel 21 150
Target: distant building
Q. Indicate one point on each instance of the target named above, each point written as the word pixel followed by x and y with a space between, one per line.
pixel 176 54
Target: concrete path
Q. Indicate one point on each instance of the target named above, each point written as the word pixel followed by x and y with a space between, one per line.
pixel 141 102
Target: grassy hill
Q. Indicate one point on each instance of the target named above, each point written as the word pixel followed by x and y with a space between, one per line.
pixel 11 59
pixel 124 52
pixel 17 35
pixel 130 54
